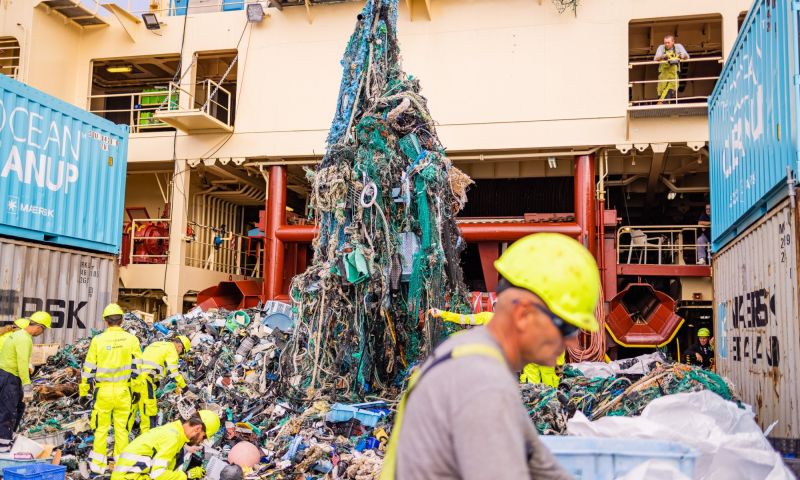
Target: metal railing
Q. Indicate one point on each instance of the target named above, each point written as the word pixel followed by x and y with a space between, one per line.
pixel 9 56
pixel 208 96
pixel 172 7
pixel 139 110
pixel 142 240
pixel 221 251
pixel 677 99
pixel 663 245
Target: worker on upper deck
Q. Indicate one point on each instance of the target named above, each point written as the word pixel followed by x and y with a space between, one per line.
pixel 703 241
pixel 670 55
pixel 461 416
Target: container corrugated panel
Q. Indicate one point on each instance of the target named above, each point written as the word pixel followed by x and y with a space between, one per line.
pixel 62 171
pixel 73 286
pixel 752 118
pixel 757 334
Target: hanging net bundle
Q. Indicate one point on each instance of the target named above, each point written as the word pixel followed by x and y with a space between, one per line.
pixel 385 198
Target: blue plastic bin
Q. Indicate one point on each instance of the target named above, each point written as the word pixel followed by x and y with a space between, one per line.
pixel 367 413
pixel 608 458
pixel 39 471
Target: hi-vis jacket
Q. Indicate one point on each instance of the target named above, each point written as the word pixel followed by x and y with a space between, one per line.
pixel 154 453
pixel 114 357
pixel 161 358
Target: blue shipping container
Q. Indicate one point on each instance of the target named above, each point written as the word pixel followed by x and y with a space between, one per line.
pixel 62 171
pixel 753 120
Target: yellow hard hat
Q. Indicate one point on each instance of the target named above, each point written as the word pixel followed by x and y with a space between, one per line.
pixel 42 318
pixel 112 309
pixel 560 271
pixel 22 322
pixel 704 332
pixel 211 422
pixel 187 344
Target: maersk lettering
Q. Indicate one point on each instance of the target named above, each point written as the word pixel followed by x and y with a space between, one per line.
pixel 58 309
pixel 750 341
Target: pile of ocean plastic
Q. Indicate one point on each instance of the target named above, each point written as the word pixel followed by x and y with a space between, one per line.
pixel 620 394
pixel 233 365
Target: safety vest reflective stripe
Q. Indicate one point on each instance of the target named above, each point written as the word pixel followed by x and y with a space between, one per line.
pixel 114 370
pixel 160 463
pixel 98 458
pixel 157 473
pixel 390 460
pixel 89 366
pixel 122 378
pixel 148 364
pixel 127 469
pixel 87 375
pixel 136 458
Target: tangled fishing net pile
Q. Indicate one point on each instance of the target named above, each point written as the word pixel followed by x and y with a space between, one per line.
pixel 385 197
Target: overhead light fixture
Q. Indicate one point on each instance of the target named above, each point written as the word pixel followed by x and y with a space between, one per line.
pixel 551 162
pixel 151 21
pixel 671 196
pixel 119 69
pixel 255 12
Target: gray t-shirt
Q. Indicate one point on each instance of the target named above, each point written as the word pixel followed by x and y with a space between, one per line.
pixel 679 50
pixel 465 420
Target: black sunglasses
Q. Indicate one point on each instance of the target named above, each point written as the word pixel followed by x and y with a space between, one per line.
pixel 566 329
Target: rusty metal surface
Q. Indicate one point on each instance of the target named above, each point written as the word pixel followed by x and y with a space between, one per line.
pixel 73 286
pixel 756 318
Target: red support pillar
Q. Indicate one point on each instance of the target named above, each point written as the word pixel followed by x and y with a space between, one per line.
pixel 489 252
pixel 585 215
pixel 276 218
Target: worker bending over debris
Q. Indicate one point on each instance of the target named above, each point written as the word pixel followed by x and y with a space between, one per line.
pixel 462 416
pixel 701 353
pixel 531 373
pixel 159 359
pixel 15 380
pixel 153 455
pixel 112 360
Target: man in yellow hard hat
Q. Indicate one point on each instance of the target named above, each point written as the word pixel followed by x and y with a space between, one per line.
pixel 153 455
pixel 531 373
pixel 159 359
pixel 113 358
pixel 15 380
pixel 701 353
pixel 462 416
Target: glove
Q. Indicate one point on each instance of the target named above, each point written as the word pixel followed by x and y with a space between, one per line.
pixel 83 389
pixel 178 390
pixel 197 472
pixel 435 312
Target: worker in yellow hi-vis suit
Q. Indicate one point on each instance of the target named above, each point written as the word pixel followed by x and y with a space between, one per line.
pixel 153 455
pixel 531 373
pixel 160 359
pixel 113 358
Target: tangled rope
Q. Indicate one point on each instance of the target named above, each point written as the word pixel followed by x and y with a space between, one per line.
pixel 385 198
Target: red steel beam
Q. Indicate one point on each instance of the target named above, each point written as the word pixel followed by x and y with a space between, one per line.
pixel 471 232
pixel 664 270
pixel 276 218
pixel 585 214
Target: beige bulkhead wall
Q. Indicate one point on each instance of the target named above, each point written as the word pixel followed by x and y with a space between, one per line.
pixel 498 74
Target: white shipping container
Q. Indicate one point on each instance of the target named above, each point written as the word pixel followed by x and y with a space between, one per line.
pixel 757 335
pixel 73 286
